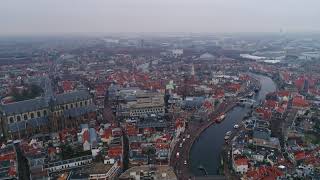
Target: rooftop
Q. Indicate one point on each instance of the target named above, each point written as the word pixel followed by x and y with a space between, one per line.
pixel 97 168
pixel 158 172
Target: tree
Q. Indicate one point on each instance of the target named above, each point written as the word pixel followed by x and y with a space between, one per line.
pixel 29 92
pixel 67 152
pixel 216 102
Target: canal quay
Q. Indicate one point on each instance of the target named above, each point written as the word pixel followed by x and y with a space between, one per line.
pixel 206 148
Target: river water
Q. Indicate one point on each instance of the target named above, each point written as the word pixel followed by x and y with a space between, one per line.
pixel 207 148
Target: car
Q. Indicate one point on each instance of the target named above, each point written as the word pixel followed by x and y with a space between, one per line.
pixel 184 139
pixel 178 154
pixel 180 145
pixel 185 162
pixel 188 136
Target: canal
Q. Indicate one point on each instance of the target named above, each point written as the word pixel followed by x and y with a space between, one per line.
pixel 207 148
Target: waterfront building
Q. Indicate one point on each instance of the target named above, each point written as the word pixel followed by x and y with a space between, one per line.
pixel 240 165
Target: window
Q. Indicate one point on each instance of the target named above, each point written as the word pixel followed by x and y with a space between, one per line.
pixel 11 119
pixel 32 115
pixel 67 106
pixel 18 118
pixel 25 117
pixel 44 112
pixel 76 104
pixel 71 105
pixel 81 104
pixel 38 114
pixel 86 103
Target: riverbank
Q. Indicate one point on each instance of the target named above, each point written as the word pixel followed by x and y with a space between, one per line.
pixel 207 148
pixel 207 125
pixel 194 131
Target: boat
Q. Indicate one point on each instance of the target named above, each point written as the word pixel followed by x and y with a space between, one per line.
pixel 236 126
pixel 220 118
pixel 226 137
pixel 200 167
pixel 250 94
pixel 228 133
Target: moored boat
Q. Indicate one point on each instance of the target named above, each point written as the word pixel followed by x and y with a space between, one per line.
pixel 220 118
pixel 226 137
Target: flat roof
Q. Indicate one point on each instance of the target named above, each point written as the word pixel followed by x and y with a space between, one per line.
pixel 159 172
pixel 97 168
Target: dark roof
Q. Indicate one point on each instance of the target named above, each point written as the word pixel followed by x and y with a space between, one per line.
pixel 25 106
pixel 75 112
pixel 152 124
pixel 35 122
pixel 41 102
pixel 72 97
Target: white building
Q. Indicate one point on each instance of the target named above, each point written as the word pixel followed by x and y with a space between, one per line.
pixel 240 165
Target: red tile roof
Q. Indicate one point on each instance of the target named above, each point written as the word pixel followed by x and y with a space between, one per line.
pixel 265 113
pixel 86 136
pixel 162 146
pixel 135 145
pixel 241 161
pixel 264 172
pixel 283 93
pixel 219 93
pixel 107 133
pixel 67 86
pixel 299 82
pixel 233 87
pixel 115 151
pixel 207 105
pixel 272 104
pixel 298 101
pixel 101 90
pixel 299 155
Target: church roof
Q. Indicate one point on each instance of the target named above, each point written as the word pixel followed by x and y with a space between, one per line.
pixel 72 97
pixel 42 102
pixel 24 106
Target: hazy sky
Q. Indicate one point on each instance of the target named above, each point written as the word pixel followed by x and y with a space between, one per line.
pixel 87 16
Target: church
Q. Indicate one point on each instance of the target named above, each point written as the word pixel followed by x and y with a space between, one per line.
pixel 46 114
